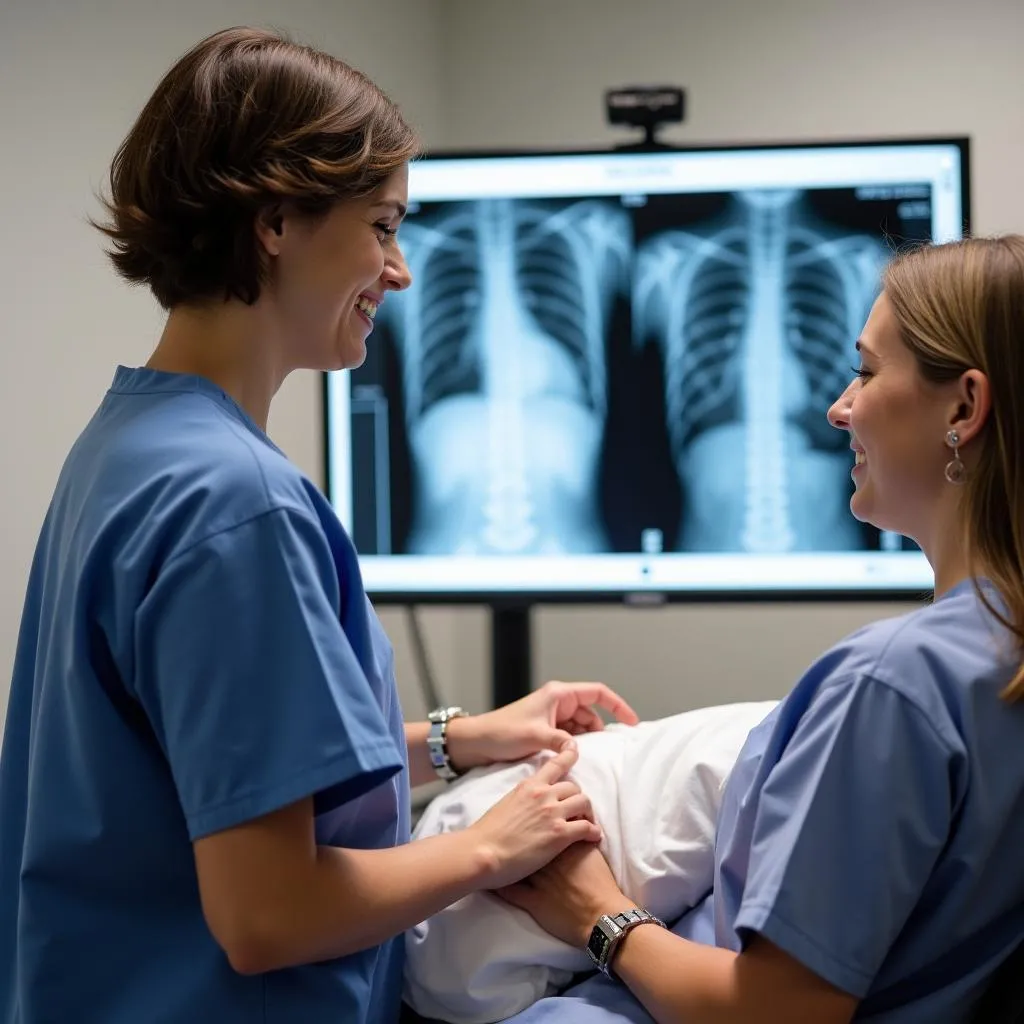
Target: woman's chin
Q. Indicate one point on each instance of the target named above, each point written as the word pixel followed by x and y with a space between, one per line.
pixel 347 360
pixel 860 508
pixel 868 512
pixel 351 356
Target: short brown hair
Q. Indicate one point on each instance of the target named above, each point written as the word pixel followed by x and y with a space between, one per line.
pixel 243 120
pixel 960 306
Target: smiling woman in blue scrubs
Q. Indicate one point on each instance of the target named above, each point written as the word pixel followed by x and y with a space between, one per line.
pixel 204 784
pixel 868 856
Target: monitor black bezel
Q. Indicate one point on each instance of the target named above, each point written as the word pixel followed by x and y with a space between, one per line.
pixel 499 599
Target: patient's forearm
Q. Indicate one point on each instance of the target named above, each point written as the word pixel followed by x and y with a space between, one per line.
pixel 677 980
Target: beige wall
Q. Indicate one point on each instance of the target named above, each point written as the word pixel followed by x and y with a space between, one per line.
pixel 470 73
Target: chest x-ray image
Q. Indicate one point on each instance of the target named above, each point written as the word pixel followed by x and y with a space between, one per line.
pixel 501 345
pixel 756 314
pixel 629 373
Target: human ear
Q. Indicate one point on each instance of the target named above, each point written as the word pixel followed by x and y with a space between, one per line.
pixel 269 228
pixel 973 403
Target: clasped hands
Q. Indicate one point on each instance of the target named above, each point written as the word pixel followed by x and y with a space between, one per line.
pixel 570 892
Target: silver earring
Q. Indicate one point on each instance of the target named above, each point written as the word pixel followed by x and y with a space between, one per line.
pixel 956 471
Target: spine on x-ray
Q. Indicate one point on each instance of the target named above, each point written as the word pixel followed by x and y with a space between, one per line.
pixel 508 507
pixel 766 525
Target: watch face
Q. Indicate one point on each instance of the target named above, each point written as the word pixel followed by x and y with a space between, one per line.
pixel 598 944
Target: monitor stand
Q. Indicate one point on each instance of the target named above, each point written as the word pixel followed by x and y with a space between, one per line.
pixel 511 653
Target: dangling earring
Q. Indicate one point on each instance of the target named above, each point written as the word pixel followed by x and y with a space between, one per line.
pixel 956 472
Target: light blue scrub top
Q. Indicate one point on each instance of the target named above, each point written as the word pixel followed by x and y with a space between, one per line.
pixel 196 650
pixel 873 827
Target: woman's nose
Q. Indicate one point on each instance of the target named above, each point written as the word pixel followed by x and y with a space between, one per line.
pixel 397 276
pixel 839 412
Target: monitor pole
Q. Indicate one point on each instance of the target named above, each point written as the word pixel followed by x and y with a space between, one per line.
pixel 511 653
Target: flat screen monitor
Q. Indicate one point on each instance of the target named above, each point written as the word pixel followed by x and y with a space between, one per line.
pixel 610 376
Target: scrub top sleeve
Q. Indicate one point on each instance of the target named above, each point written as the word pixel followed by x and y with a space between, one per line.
pixel 849 823
pixel 249 682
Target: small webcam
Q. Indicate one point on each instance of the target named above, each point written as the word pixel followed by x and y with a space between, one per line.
pixel 646 107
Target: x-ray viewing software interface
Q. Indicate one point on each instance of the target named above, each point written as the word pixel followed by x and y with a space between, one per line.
pixel 612 372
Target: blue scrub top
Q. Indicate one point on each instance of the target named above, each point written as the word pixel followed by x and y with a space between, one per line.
pixel 196 650
pixel 873 825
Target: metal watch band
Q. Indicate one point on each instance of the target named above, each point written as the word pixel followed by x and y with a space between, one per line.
pixel 609 932
pixel 437 741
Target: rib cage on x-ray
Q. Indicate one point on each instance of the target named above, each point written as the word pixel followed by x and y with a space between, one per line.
pixel 502 348
pixel 756 319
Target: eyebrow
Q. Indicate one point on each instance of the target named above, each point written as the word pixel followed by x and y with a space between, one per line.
pixel 392 204
pixel 861 347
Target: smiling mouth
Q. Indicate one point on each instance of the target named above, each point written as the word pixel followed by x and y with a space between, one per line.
pixel 859 459
pixel 367 307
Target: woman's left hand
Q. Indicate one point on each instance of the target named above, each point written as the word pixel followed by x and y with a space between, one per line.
pixel 568 896
pixel 547 719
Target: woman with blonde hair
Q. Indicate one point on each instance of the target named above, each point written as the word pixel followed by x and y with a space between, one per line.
pixel 868 856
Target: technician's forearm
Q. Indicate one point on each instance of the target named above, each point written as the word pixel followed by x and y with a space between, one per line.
pixel 350 900
pixel 421 772
pixel 466 748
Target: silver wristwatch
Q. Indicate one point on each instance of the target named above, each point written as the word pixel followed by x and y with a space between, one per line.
pixel 610 930
pixel 437 741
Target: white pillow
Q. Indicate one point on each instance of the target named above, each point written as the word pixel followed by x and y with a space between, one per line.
pixel 655 789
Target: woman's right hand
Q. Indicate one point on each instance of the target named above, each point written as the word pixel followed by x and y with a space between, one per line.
pixel 535 822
